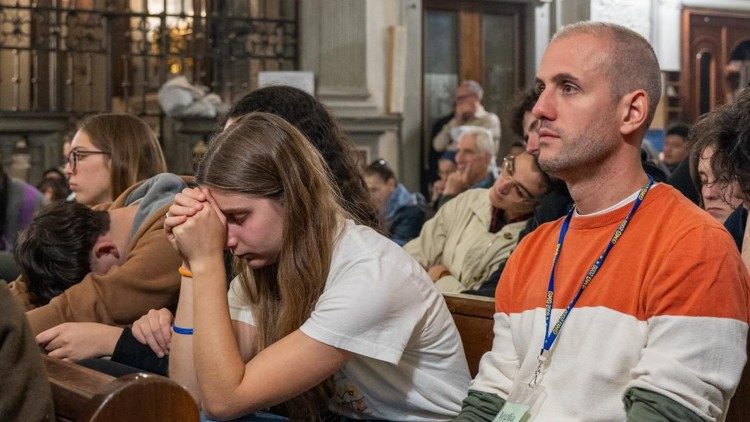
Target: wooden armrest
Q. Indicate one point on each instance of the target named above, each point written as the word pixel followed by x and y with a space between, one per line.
pixel 474 318
pixel 84 394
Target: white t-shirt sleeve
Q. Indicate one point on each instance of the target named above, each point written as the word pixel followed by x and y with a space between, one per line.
pixel 371 307
pixel 239 305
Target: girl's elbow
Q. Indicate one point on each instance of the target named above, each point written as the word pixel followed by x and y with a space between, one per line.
pixel 217 410
pixel 222 409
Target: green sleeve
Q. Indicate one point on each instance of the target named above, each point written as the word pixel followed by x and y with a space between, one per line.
pixel 480 406
pixel 647 406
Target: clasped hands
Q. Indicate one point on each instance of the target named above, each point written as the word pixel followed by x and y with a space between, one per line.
pixel 195 226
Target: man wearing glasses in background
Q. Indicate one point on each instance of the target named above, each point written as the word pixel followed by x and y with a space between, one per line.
pixel 471 235
pixel 468 111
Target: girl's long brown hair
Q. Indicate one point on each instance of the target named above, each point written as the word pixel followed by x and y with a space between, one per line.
pixel 263 156
pixel 134 150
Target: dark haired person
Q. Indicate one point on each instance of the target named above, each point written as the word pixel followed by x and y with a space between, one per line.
pixel 725 132
pixel 111 267
pixel 474 233
pixel 675 145
pixel 403 212
pixel 54 189
pixel 312 118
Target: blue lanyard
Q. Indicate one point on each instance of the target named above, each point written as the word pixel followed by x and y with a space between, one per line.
pixel 550 337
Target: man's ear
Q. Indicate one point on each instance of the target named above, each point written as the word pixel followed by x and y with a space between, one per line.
pixel 104 254
pixel 105 246
pixel 391 183
pixel 635 108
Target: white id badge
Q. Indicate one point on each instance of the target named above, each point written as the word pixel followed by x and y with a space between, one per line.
pixel 522 404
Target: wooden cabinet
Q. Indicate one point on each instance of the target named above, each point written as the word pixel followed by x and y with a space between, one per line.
pixel 715 57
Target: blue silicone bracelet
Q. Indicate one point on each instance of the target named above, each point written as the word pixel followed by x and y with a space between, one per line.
pixel 181 330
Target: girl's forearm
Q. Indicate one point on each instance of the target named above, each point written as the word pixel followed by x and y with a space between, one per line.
pixel 181 366
pixel 218 363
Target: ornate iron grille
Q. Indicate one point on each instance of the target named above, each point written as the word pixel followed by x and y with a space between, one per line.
pixel 87 56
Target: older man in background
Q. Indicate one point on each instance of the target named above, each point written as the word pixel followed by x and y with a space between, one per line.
pixel 468 111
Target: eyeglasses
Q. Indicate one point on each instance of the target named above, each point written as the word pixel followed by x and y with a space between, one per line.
pixel 77 154
pixel 509 168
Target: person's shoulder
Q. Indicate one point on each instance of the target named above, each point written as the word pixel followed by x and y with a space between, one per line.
pixel 465 201
pixel 410 211
pixel 23 188
pixel 676 211
pixel 678 219
pixel 473 194
pixel 359 243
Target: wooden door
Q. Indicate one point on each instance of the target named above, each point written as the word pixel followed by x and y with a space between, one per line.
pixel 715 58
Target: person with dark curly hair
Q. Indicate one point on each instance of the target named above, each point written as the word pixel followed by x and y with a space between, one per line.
pixel 312 118
pixel 725 133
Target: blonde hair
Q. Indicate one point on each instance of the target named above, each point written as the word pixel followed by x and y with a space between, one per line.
pixel 263 156
pixel 132 146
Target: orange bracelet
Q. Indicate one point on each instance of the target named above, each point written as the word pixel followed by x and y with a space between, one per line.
pixel 185 272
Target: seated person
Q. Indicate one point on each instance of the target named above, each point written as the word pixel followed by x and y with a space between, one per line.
pixel 718 199
pixel 446 165
pixel 99 266
pixel 54 189
pixel 402 211
pixel 468 111
pixel 723 134
pixel 675 145
pixel 474 233
pixel 474 158
pixel 326 315
pixel 18 203
pixel 26 393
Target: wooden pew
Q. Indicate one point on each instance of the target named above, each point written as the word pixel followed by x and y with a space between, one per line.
pixel 739 407
pixel 473 316
pixel 82 394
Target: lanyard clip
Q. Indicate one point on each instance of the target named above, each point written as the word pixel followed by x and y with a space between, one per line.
pixel 537 378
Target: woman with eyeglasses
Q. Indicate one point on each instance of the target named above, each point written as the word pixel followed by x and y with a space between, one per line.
pixel 472 234
pixel 109 153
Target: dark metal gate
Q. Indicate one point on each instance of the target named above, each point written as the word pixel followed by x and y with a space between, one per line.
pixel 76 57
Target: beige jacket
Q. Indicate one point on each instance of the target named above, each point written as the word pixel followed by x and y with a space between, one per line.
pixel 459 238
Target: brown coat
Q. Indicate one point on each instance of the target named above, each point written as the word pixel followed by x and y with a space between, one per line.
pixel 26 394
pixel 148 279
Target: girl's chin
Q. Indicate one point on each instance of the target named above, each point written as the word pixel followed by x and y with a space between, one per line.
pixel 256 262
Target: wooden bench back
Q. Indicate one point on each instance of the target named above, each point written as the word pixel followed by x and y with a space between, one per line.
pixel 473 316
pixel 739 407
pixel 83 394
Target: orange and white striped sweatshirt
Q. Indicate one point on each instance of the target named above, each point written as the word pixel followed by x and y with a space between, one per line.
pixel 667 314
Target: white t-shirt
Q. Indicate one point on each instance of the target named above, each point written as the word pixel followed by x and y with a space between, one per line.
pixel 407 359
